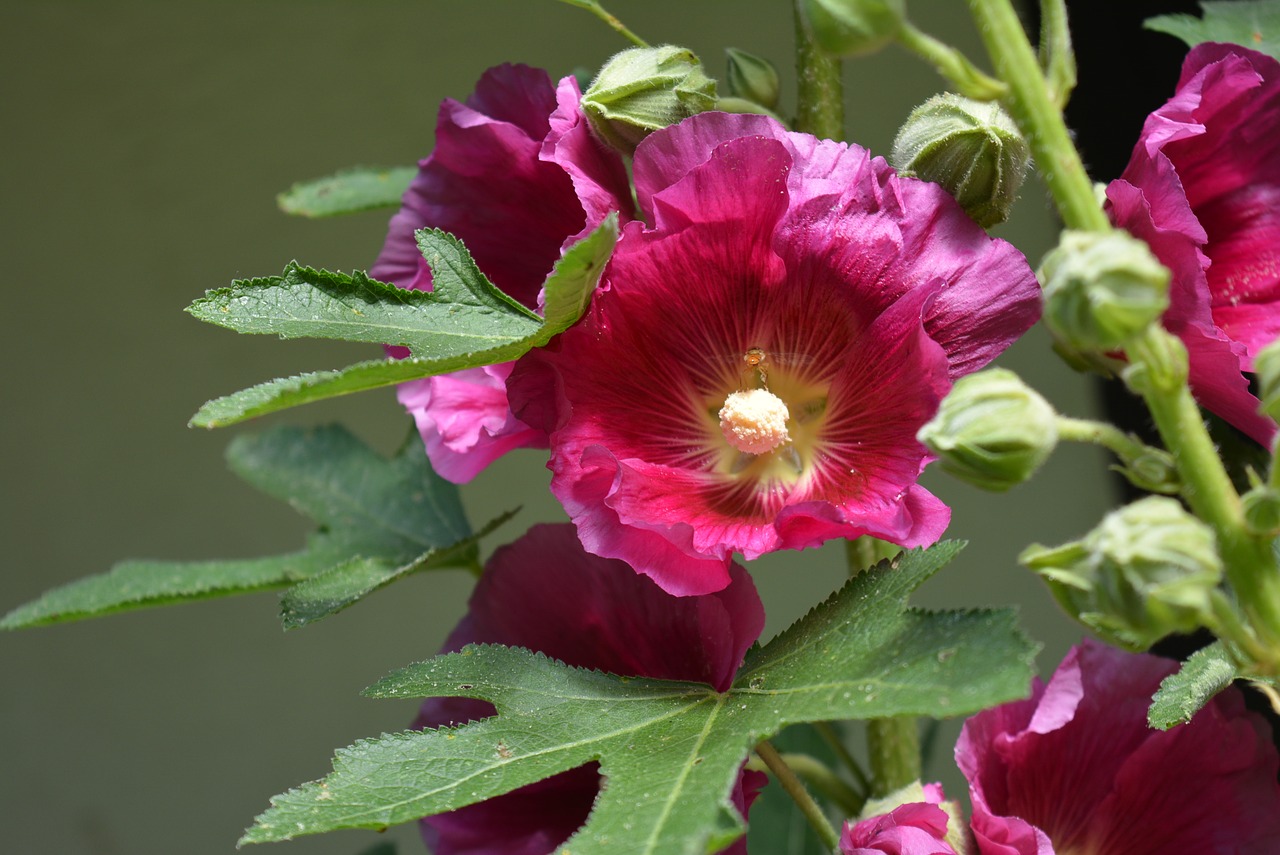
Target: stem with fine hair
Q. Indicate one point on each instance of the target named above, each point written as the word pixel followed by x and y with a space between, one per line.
pixel 819 85
pixel 791 784
pixel 600 12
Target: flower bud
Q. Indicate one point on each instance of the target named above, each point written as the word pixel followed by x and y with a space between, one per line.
pixel 752 78
pixel 852 27
pixel 1147 570
pixel 644 89
pixel 972 148
pixel 1262 511
pixel 1266 366
pixel 992 430
pixel 1102 289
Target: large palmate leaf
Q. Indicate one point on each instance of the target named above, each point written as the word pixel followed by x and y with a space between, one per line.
pixel 464 322
pixel 361 188
pixel 670 751
pixel 378 520
pixel 1252 23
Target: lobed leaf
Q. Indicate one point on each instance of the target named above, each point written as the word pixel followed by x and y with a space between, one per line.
pixel 373 513
pixel 461 296
pixel 1254 24
pixel 670 751
pixel 361 188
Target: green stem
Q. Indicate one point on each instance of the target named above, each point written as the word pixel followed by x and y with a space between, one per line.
pixel 893 746
pixel 1057 60
pixel 596 9
pixel 1207 488
pixel 818 775
pixel 951 64
pixel 1150 468
pixel 820 87
pixel 1228 626
pixel 836 744
pixel 1032 107
pixel 791 784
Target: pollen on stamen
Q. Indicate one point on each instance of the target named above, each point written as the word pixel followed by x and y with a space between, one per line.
pixel 754 421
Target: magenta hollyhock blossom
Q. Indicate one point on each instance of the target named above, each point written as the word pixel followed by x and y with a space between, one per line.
pixel 1075 769
pixel 545 594
pixel 915 828
pixel 1203 189
pixel 517 176
pixel 752 374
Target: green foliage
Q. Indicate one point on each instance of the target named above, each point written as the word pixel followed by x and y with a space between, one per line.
pixel 464 322
pixel 361 188
pixel 379 520
pixel 1252 23
pixel 1181 695
pixel 670 751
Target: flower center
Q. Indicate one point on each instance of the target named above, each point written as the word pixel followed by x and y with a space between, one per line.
pixel 754 421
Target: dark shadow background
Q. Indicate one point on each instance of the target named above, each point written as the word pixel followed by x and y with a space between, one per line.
pixel 143 145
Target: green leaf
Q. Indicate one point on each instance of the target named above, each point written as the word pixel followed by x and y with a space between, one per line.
pixel 671 751
pixel 372 512
pixel 1181 695
pixel 1252 23
pixel 361 188
pixel 463 323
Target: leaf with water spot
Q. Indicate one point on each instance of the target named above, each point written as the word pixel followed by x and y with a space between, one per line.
pixel 670 751
pixel 1254 24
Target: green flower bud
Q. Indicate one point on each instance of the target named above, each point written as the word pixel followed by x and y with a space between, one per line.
pixel 1267 368
pixel 752 78
pixel 1262 511
pixel 1102 289
pixel 644 89
pixel 1147 570
pixel 992 430
pixel 972 148
pixel 852 27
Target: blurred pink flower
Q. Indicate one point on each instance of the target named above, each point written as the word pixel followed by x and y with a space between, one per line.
pixel 752 374
pixel 1203 189
pixel 1076 769
pixel 914 828
pixel 517 176
pixel 545 594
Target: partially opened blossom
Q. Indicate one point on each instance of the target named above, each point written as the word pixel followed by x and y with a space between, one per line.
pixel 913 828
pixel 752 375
pixel 1075 769
pixel 1203 189
pixel 517 176
pixel 545 594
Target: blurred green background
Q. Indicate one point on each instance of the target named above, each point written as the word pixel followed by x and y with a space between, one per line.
pixel 143 145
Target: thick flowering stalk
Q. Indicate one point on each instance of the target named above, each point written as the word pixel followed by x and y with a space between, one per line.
pixel 753 372
pixel 545 594
pixel 516 175
pixel 1076 769
pixel 1203 189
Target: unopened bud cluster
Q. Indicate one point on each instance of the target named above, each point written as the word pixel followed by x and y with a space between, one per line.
pixel 1102 289
pixel 972 148
pixel 752 79
pixel 992 430
pixel 853 27
pixel 642 90
pixel 1149 569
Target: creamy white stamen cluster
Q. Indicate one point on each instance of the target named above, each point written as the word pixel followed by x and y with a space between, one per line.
pixel 754 421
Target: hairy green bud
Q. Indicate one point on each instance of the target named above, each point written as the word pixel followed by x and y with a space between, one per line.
pixel 752 78
pixel 642 90
pixel 972 148
pixel 1267 368
pixel 1147 570
pixel 992 430
pixel 853 27
pixel 1102 289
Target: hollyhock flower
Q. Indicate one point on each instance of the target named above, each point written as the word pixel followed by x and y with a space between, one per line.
pixel 753 372
pixel 1076 769
pixel 914 828
pixel 1203 189
pixel 545 594
pixel 517 176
